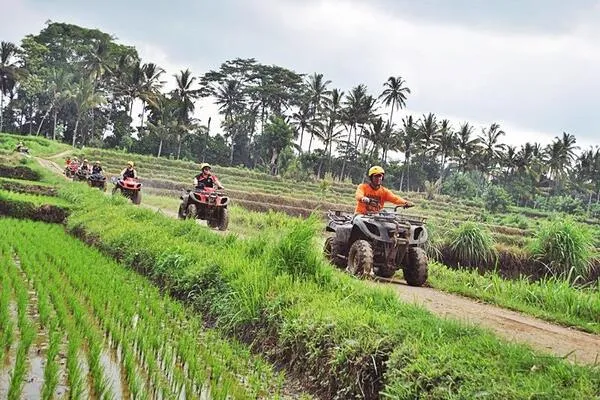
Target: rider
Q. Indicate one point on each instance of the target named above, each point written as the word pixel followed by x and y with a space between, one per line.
pixel 372 196
pixel 97 168
pixel 129 171
pixel 85 166
pixel 206 179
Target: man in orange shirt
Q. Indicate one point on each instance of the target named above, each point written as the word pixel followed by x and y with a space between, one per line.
pixel 371 197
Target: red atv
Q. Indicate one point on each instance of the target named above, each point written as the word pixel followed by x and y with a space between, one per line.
pixel 71 169
pixel 130 188
pixel 205 203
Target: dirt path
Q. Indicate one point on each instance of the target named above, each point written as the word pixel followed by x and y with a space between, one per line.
pixel 577 346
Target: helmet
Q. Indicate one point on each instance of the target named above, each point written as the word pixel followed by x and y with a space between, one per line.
pixel 97 163
pixel 130 163
pixel 75 159
pixel 205 165
pixel 375 170
pixel 85 160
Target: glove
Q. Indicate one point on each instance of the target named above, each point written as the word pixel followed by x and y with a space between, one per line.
pixel 365 200
pixel 409 204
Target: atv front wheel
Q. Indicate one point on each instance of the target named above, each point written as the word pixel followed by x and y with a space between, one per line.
pixel 224 220
pixel 192 211
pixel 386 272
pixel 360 258
pixel 415 268
pixel 180 213
pixel 330 250
pixel 136 198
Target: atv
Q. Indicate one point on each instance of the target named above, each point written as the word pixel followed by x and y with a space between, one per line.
pixel 378 244
pixel 97 181
pixel 205 203
pixel 130 188
pixel 71 169
pixel 80 175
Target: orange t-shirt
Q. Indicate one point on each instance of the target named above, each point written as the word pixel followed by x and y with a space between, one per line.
pixel 382 195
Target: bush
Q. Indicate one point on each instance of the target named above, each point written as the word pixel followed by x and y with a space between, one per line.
pixel 471 245
pixel 565 247
pixel 496 199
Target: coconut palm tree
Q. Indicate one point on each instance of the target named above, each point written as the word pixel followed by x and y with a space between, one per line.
pixel 85 98
pixel 394 95
pixel 492 148
pixel 185 95
pixel 466 146
pixel 317 91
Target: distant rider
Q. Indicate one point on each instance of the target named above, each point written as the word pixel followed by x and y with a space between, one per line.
pixel 85 166
pixel 206 179
pixel 97 168
pixel 371 196
pixel 129 171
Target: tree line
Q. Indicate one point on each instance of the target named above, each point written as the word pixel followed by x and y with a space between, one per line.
pixel 79 85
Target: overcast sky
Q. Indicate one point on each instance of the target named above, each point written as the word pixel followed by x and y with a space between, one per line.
pixel 531 65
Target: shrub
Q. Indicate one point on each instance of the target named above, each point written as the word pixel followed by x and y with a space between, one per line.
pixel 565 247
pixel 471 245
pixel 496 199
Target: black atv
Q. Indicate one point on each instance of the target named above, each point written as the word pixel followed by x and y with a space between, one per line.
pixel 97 181
pixel 378 244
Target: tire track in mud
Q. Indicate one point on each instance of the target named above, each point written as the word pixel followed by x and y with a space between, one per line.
pixel 554 340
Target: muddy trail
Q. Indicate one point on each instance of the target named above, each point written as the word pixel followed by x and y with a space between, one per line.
pixel 554 340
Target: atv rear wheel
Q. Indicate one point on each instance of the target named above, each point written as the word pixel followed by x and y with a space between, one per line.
pixel 224 220
pixel 415 268
pixel 180 213
pixel 360 259
pixel 330 250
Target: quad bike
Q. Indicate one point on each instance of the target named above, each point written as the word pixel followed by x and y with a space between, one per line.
pixel 378 244
pixel 130 188
pixel 80 175
pixel 97 181
pixel 22 149
pixel 71 169
pixel 205 203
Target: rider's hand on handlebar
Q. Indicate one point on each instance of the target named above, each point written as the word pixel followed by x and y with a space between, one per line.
pixel 409 204
pixel 365 200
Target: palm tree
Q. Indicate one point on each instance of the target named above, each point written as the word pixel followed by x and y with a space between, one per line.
pixel 446 144
pixel 85 98
pixel 409 138
pixel 466 145
pixel 428 133
pixel 302 119
pixel 317 90
pixel 333 114
pixel 8 74
pixel 492 149
pixel 165 122
pixel 394 95
pixel 185 95
pixel 151 86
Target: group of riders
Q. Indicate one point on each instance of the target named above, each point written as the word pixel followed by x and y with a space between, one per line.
pixel 370 196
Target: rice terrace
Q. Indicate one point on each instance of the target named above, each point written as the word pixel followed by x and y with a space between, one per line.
pixel 126 272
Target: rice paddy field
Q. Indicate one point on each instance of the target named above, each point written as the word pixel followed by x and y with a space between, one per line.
pixel 112 300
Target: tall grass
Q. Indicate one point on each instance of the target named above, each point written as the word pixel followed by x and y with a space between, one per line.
pixel 471 245
pixel 565 247
pixel 345 339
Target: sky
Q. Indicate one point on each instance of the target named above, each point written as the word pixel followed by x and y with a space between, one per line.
pixel 530 65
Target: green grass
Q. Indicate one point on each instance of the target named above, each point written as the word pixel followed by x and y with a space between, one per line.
pixel 346 339
pixel 95 299
pixel 38 146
